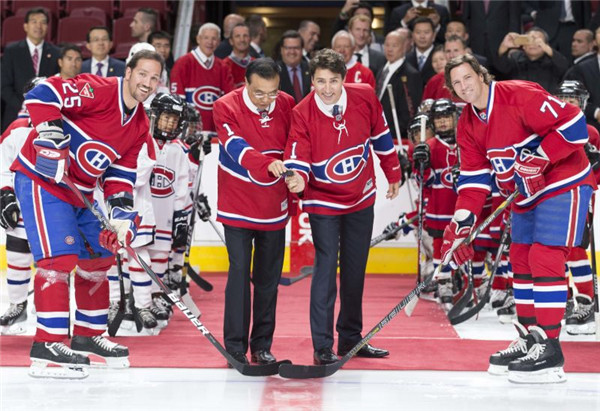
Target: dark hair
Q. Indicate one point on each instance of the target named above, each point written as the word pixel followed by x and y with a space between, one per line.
pixel 240 24
pixel 37 10
pixel 540 30
pixel 106 29
pixel 69 46
pixel 471 61
pixel 288 34
pixel 454 37
pixel 264 67
pixel 150 15
pixel 589 34
pixel 422 19
pixel 146 55
pixel 255 24
pixel 437 49
pixel 459 20
pixel 160 35
pixel 364 5
pixel 327 59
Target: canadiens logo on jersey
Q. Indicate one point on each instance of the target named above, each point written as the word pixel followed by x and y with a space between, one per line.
pixel 87 91
pixel 347 165
pixel 446 178
pixel 161 182
pixel 94 157
pixel 205 96
pixel 502 161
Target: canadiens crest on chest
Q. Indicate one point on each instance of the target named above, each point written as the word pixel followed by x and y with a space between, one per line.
pixel 161 182
pixel 94 157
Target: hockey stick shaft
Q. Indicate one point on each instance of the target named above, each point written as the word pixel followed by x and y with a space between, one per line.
pixel 242 368
pixel 391 234
pixel 594 272
pixel 304 272
pixel 219 233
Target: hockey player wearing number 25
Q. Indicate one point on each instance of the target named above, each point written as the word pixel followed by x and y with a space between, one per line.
pixel 90 128
pixel 534 142
pixel 329 151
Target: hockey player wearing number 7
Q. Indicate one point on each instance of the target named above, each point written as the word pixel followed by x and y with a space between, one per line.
pixel 534 143
pixel 92 129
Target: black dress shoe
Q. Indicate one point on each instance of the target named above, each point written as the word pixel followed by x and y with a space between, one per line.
pixel 263 357
pixel 325 356
pixel 367 351
pixel 240 356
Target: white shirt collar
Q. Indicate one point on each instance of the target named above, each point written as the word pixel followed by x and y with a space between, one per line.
pixel 425 53
pixel 255 47
pixel 253 107
pixel 104 61
pixel 392 67
pixel 327 109
pixel 578 59
pixel 203 57
pixel 351 63
pixel 32 47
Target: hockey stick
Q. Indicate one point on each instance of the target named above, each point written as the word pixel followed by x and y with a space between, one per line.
pixel 200 282
pixel 304 272
pixel 387 236
pixel 466 297
pixel 319 371
pixel 219 233
pixel 113 327
pixel 594 273
pixel 245 369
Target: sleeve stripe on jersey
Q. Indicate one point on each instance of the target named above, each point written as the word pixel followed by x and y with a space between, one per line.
pixel 119 180
pixel 279 219
pixel 483 171
pixel 47 93
pixel 387 130
pixel 575 131
pixel 297 165
pixel 390 151
pixel 526 141
pixel 273 152
pixel 383 143
pixel 235 147
pixel 483 187
pixel 234 173
pixel 46 103
pixel 124 169
pixel 113 172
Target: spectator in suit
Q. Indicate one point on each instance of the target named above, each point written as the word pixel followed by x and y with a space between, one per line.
pixel 406 14
pixel 343 43
pixel 560 19
pixel 423 33
pixel 405 80
pixel 229 22
pixel 535 61
pixel 69 61
pixel 99 42
pixel 360 28
pixel 582 46
pixel 239 58
pixel 588 72
pixel 162 43
pixel 458 28
pixel 295 77
pixel 258 35
pixel 143 23
pixel 489 21
pixel 310 32
pixel 25 59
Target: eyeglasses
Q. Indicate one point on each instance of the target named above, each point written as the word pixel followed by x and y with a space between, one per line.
pixel 260 95
pixel 297 48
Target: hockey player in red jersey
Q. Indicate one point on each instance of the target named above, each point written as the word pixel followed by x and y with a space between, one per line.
pixel 240 57
pixel 333 131
pixel 534 143
pixel 200 77
pixel 252 125
pixel 91 128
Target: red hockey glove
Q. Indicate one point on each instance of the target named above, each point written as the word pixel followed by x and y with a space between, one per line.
pixel 454 249
pixel 529 172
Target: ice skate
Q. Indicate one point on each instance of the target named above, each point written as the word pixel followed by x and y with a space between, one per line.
pixel 508 311
pixel 160 308
pixel 14 319
pixel 445 294
pixel 148 318
pixel 70 364
pixel 497 298
pixel 581 320
pixel 113 354
pixel 517 349
pixel 543 363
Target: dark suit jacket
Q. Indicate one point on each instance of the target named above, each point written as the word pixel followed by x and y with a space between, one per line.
pixel 116 68
pixel 488 30
pixel 588 72
pixel 399 12
pixel 412 82
pixel 224 49
pixel 285 82
pixel 548 14
pixel 427 72
pixel 376 61
pixel 17 70
pixel 546 71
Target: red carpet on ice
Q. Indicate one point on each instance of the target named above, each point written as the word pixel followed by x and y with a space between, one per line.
pixel 425 341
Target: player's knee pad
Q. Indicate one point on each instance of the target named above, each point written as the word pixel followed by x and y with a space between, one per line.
pixel 548 260
pixel 65 263
pixel 519 258
pixel 18 245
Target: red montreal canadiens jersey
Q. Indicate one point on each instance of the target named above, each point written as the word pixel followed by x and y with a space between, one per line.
pixel 334 155
pixel 105 141
pixel 238 71
pixel 249 196
pixel 357 73
pixel 441 196
pixel 595 141
pixel 520 115
pixel 201 85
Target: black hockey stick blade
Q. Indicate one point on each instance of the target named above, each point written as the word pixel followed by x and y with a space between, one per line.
pixel 113 327
pixel 462 302
pixel 388 236
pixel 304 272
pixel 200 282
pixel 462 317
pixel 320 371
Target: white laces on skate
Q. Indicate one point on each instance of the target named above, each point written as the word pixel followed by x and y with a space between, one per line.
pixel 104 343
pixel 517 345
pixel 534 352
pixel 497 295
pixel 582 311
pixel 14 310
pixel 62 348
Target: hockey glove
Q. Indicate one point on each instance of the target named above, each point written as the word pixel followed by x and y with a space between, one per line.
pixel 529 172
pixel 407 228
pixel 124 222
pixel 593 155
pixel 180 227
pixel 421 155
pixel 454 251
pixel 405 166
pixel 9 209
pixel 52 148
pixel 455 173
pixel 203 208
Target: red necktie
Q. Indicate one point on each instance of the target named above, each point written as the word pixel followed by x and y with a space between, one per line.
pixel 35 59
pixel 296 84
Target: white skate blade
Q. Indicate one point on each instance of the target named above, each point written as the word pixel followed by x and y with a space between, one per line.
pixel 15 329
pixel 547 376
pixel 497 369
pixel 581 329
pixel 161 324
pixel 41 369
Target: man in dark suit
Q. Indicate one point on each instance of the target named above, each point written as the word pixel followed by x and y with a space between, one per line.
pixel 405 80
pixel 405 15
pixel 582 46
pixel 420 56
pixel 99 43
pixel 489 23
pixel 24 60
pixel 360 28
pixel 295 77
pixel 588 72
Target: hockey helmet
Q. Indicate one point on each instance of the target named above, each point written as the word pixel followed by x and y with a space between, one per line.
pixel 444 108
pixel 193 124
pixel 163 105
pixel 573 89
pixel 425 105
pixel 31 83
pixel 414 127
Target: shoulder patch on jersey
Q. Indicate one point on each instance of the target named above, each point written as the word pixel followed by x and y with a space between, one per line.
pixel 87 91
